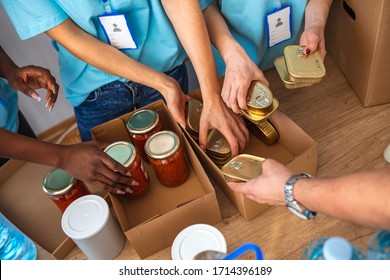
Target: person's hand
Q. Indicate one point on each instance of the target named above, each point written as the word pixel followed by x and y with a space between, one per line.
pixel 29 78
pixel 268 188
pixel 90 164
pixel 176 101
pixel 216 115
pixel 240 72
pixel 313 39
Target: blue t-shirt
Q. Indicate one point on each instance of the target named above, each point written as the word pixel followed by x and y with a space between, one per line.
pixel 158 45
pixel 247 23
pixel 8 107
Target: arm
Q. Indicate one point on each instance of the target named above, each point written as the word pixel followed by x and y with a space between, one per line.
pixel 316 15
pixel 85 161
pixel 97 53
pixel 240 69
pixel 28 79
pixel 188 21
pixel 361 197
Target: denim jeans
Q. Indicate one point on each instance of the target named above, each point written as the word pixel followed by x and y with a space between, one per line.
pixel 118 98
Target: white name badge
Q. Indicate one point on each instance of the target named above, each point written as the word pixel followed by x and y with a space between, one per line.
pixel 117 31
pixel 279 26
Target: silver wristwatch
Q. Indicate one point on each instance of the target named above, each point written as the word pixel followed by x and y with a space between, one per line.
pixel 291 203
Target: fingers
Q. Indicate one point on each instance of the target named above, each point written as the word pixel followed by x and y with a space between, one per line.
pixel 203 133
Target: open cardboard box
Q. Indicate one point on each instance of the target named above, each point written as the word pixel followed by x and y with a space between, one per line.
pixel 28 207
pixel 295 149
pixel 152 221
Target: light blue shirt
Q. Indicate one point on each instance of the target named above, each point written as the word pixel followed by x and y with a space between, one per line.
pixel 8 107
pixel 247 23
pixel 158 45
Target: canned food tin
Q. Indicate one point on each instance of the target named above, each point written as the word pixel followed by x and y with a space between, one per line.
pixel 258 118
pixel 167 157
pixel 62 188
pixel 242 168
pixel 303 68
pixel 141 125
pixel 280 65
pixel 126 154
pixel 259 99
pixel 264 131
pixel 194 112
pixel 217 145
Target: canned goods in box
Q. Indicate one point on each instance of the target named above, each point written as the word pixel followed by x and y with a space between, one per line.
pixel 242 168
pixel 194 112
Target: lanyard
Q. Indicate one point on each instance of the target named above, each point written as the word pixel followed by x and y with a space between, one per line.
pixel 107 6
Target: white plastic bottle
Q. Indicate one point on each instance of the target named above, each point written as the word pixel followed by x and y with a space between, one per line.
pixel 379 246
pixel 332 248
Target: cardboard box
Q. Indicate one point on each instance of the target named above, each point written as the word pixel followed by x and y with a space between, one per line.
pixel 357 36
pixel 23 202
pixel 152 221
pixel 295 149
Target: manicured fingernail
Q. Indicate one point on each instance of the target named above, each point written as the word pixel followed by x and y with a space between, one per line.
pixel 183 126
pixel 129 190
pixel 128 174
pixel 308 51
pixel 202 147
pixel 120 192
pixel 36 97
pixel 53 89
pixel 134 183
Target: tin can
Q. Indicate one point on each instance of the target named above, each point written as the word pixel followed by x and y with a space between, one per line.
pixel 62 188
pixel 126 154
pixel 264 131
pixel 242 168
pixel 141 125
pixel 167 157
pixel 194 112
pixel 280 65
pixel 303 68
pixel 218 148
pixel 259 99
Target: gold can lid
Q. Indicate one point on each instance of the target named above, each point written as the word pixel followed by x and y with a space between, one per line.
pixel 243 167
pixel 258 118
pixel 309 68
pixel 259 98
pixel 142 121
pixel 122 151
pixel 217 144
pixel 194 111
pixel 280 65
pixel 57 182
pixel 163 144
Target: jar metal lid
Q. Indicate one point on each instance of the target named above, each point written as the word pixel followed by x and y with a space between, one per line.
pixel 194 111
pixel 243 167
pixel 57 182
pixel 162 144
pixel 122 151
pixel 142 121
pixel 259 98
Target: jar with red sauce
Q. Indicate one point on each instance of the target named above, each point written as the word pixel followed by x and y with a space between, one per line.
pixel 141 125
pixel 62 188
pixel 167 157
pixel 126 154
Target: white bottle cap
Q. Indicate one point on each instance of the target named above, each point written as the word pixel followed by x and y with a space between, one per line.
pixel 89 223
pixel 337 248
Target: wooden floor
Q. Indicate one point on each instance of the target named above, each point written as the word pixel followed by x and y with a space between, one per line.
pixel 349 138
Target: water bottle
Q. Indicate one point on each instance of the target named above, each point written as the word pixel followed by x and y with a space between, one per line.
pixel 332 248
pixel 379 246
pixel 15 245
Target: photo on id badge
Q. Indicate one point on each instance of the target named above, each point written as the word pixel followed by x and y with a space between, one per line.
pixel 279 26
pixel 117 31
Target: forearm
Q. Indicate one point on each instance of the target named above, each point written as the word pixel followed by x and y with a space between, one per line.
pixel 189 24
pixel 6 64
pixel 105 57
pixel 361 197
pixel 316 13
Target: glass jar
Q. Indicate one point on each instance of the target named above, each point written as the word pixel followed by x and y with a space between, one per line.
pixel 141 125
pixel 167 158
pixel 62 188
pixel 126 154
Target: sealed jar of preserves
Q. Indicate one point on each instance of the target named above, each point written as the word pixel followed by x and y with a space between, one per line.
pixel 141 125
pixel 62 188
pixel 167 157
pixel 126 154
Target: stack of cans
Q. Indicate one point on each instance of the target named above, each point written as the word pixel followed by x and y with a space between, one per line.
pixel 299 70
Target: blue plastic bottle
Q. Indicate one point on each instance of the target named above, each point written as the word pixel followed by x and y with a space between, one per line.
pixel 379 246
pixel 332 248
pixel 15 245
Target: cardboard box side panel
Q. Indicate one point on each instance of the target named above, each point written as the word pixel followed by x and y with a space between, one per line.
pixel 64 248
pixel 306 163
pixel 253 209
pixel 160 233
pixel 9 169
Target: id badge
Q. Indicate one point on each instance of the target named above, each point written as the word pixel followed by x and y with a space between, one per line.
pixel 117 31
pixel 279 26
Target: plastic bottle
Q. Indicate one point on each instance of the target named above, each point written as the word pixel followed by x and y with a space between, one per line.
pixel 15 245
pixel 332 248
pixel 379 246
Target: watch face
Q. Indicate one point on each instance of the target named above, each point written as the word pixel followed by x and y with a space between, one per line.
pixel 297 212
